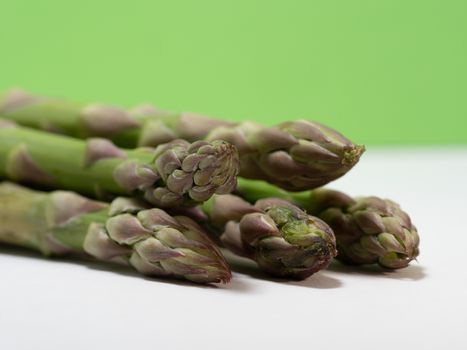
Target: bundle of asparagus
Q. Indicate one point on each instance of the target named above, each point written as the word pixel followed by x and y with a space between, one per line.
pixel 187 164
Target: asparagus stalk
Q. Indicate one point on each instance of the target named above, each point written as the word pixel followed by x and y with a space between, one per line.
pixel 282 239
pixel 154 243
pixel 173 174
pixel 368 229
pixel 296 155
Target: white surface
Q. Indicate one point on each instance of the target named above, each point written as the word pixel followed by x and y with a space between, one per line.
pixel 66 305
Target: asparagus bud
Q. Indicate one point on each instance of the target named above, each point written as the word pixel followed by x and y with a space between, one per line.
pixel 296 155
pixel 176 173
pixel 369 229
pixel 126 232
pixel 281 238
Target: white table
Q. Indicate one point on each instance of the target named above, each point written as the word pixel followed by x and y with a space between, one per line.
pixel 67 305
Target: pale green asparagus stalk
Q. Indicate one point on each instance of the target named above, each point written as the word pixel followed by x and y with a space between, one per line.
pixel 368 229
pixel 173 174
pixel 126 232
pixel 295 155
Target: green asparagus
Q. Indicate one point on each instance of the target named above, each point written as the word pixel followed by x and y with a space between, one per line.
pixel 368 229
pixel 296 155
pixel 126 232
pixel 281 238
pixel 173 174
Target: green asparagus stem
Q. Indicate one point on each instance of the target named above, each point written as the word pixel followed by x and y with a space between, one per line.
pixel 368 229
pixel 173 174
pixel 153 242
pixel 281 238
pixel 295 155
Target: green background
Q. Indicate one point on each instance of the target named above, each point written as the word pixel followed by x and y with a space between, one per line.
pixel 382 72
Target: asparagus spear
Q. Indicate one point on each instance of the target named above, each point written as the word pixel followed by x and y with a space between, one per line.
pixel 151 241
pixel 296 155
pixel 368 229
pixel 174 173
pixel 281 238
